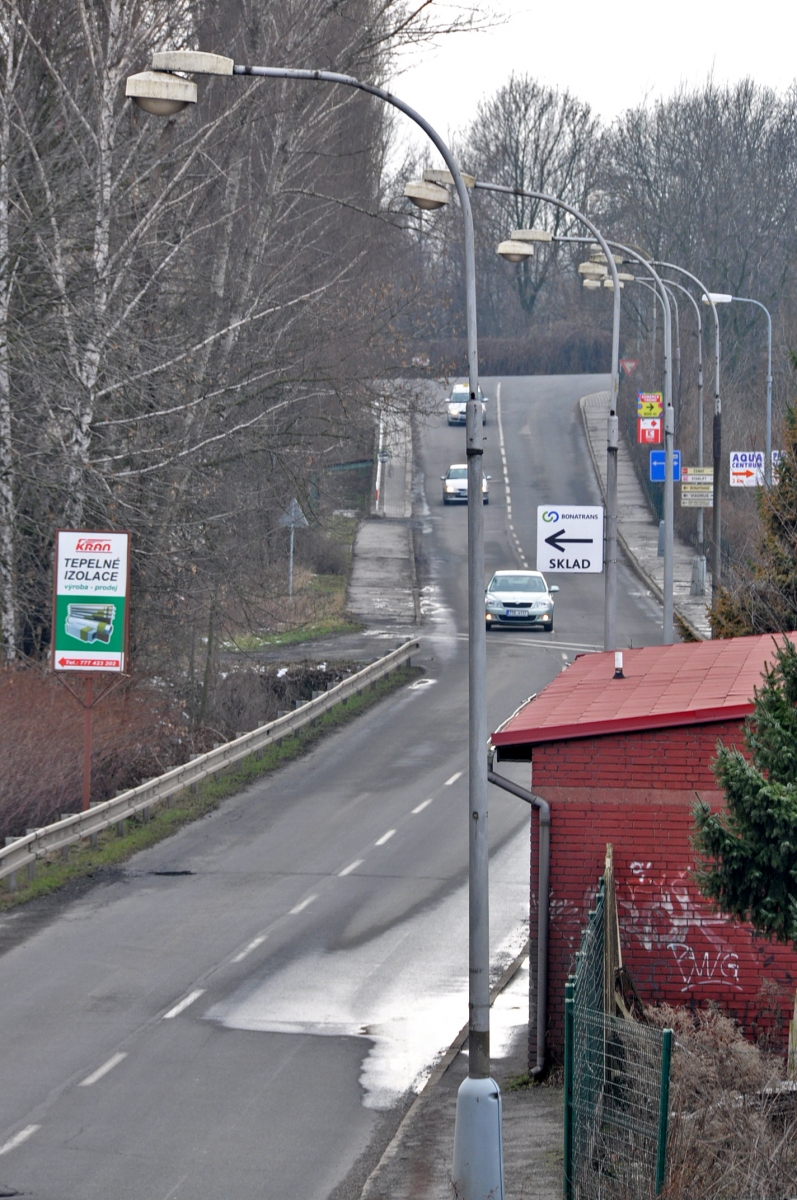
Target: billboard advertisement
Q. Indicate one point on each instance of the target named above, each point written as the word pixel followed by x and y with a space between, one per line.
pixel 90 609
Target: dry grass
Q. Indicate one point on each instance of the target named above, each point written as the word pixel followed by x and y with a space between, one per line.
pixel 733 1130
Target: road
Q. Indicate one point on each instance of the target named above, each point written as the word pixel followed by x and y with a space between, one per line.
pixel 243 1011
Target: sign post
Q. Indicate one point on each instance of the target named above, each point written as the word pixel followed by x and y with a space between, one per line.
pixel 570 539
pixel 90 616
pixel 294 519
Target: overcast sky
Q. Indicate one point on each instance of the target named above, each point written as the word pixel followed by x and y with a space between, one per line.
pixel 612 54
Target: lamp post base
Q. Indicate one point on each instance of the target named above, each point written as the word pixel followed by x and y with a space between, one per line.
pixel 478 1172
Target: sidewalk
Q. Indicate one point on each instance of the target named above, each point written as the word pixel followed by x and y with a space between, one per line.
pixel 383 590
pixel 417 1163
pixel 637 531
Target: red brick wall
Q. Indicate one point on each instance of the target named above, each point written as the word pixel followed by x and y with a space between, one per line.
pixel 676 949
pixel 657 758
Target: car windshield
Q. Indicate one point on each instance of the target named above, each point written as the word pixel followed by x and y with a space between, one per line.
pixel 460 393
pixel 458 473
pixel 517 583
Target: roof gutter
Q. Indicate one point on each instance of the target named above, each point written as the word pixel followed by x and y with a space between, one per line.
pixel 543 919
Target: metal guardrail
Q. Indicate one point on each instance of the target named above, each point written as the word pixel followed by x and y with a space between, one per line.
pixel 23 852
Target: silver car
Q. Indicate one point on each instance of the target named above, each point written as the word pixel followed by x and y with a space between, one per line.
pixel 455 485
pixel 519 598
pixel 457 404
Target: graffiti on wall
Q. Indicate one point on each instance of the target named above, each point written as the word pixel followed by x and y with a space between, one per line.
pixel 661 911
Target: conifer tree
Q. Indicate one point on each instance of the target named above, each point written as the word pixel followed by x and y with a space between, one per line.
pixel 748 853
pixel 762 597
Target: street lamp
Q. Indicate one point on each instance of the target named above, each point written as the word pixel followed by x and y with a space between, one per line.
pixel 724 298
pixel 512 251
pixel 613 430
pixel 716 555
pixel 478 1164
pixel 603 254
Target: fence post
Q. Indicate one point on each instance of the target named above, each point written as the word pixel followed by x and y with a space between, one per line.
pixel 664 1108
pixel 570 1001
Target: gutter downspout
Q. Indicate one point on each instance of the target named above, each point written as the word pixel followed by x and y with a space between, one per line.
pixel 544 810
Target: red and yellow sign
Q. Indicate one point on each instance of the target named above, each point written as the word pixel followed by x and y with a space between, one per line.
pixel 649 404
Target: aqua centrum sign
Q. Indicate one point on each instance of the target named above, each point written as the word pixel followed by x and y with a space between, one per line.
pixel 90 609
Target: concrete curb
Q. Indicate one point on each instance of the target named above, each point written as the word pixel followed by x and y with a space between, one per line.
pixel 438 1071
pixel 684 617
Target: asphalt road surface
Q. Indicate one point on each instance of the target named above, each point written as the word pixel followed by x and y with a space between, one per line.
pixel 245 1009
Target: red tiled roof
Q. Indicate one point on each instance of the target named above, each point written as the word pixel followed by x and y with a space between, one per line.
pixel 688 683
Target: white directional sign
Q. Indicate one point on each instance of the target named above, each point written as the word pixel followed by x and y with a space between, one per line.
pixel 570 538
pixel 747 468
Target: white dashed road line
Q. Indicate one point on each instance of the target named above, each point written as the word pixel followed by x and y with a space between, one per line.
pixel 457 775
pixel 112 1062
pixel 183 1004
pixel 19 1138
pixel 253 945
pixel 515 539
pixel 384 838
pixel 424 804
pixel 303 905
pixel 358 862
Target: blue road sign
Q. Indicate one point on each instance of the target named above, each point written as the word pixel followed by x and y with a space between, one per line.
pixel 657 462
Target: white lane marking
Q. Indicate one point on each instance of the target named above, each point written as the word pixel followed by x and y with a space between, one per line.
pixel 112 1062
pixel 384 838
pixel 19 1138
pixel 253 945
pixel 457 775
pixel 508 493
pixel 358 862
pixel 424 804
pixel 303 904
pixel 183 1004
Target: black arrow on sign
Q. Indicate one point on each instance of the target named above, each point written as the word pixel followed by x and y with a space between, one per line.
pixel 559 542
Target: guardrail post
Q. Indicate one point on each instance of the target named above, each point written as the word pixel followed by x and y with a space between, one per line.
pixel 120 828
pixel 31 870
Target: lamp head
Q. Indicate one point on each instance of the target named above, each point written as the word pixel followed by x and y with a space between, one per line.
pixel 592 270
pixel 160 94
pixel 427 195
pixel 531 235
pixel 515 251
pixel 717 297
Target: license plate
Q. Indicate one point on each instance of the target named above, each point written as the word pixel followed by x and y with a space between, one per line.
pixel 517 612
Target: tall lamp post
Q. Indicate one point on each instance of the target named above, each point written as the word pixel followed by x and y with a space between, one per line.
pixel 723 298
pixel 669 420
pixel 518 247
pixel 716 538
pixel 671 283
pixel 478 1164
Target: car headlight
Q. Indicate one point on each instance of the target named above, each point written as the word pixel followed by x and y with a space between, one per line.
pixel 494 604
pixel 451 487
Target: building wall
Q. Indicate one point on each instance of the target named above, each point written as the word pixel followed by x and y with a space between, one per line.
pixel 637 792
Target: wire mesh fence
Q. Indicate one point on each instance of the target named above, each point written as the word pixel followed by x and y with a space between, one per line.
pixel 616 1085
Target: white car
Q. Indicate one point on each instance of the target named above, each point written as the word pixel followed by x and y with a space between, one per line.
pixel 519 598
pixel 455 485
pixel 457 403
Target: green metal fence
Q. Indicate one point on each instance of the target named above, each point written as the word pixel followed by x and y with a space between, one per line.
pixel 617 1079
